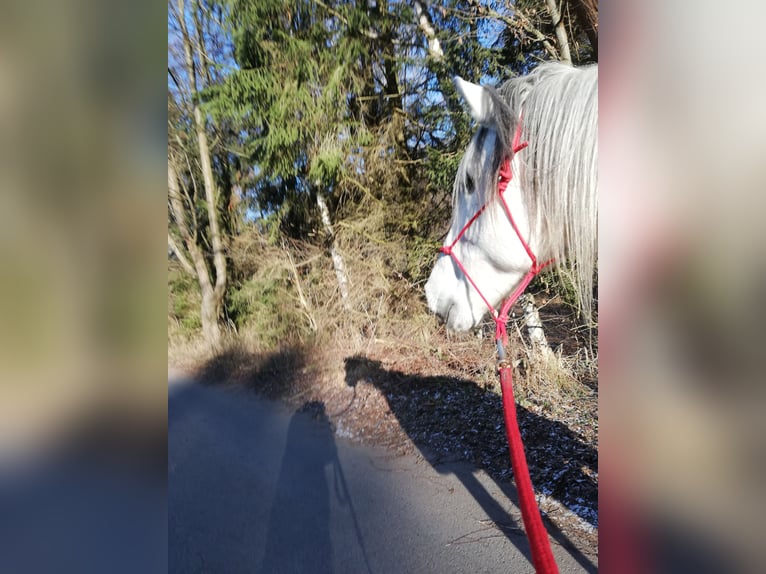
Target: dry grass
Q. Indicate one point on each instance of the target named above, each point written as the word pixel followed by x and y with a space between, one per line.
pixel 288 297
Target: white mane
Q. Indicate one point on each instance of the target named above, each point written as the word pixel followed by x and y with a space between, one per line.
pixel 559 170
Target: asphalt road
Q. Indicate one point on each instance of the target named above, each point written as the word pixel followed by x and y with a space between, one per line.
pixel 256 487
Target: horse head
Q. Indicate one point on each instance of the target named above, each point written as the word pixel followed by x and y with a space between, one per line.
pixel 488 248
pixel 512 205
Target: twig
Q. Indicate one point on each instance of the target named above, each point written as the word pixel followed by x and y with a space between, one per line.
pixel 372 34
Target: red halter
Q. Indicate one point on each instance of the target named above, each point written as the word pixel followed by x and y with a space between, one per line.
pixel 504 177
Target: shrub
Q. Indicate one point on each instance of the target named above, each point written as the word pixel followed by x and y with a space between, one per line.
pixel 183 302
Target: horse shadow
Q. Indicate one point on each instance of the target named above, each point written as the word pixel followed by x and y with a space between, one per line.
pixel 422 406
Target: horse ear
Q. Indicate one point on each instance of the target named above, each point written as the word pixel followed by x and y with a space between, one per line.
pixel 479 101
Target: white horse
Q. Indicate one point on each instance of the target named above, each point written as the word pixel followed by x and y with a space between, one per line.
pixel 551 195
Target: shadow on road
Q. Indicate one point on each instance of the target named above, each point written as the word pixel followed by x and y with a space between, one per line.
pixel 252 486
pixel 294 514
pixel 452 419
pixel 269 375
pixel 301 503
pixel 230 503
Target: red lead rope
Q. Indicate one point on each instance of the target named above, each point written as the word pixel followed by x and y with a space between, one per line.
pixel 542 557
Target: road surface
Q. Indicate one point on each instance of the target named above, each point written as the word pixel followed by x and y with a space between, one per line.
pixel 257 487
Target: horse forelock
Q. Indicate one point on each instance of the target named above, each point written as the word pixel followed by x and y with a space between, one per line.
pixel 480 163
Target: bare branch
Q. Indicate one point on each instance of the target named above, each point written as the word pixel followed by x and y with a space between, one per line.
pixel 187 266
pixel 372 34
pixel 191 199
pixel 175 80
pixel 176 202
pixel 201 49
pixel 301 296
pixel 518 20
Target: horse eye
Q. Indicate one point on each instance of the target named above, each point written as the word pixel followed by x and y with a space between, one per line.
pixel 469 184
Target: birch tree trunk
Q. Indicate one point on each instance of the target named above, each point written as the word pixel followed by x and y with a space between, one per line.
pixel 561 32
pixel 533 322
pixel 337 259
pixel 535 330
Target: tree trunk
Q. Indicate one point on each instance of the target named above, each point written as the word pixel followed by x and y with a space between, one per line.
pixel 534 325
pixel 586 12
pixel 212 302
pixel 425 24
pixel 337 259
pixel 210 307
pixel 210 312
pixel 394 105
pixel 561 32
